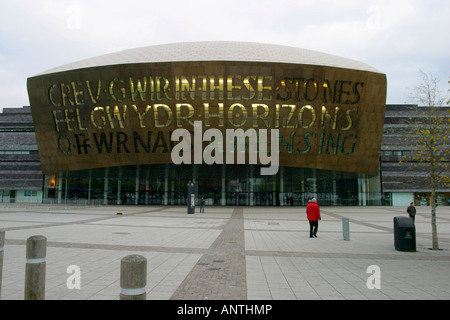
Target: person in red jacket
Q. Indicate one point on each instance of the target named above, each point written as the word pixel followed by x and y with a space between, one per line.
pixel 313 215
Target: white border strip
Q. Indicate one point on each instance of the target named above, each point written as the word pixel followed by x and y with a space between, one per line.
pixel 39 260
pixel 132 292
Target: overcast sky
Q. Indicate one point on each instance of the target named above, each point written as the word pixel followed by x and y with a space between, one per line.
pixel 397 37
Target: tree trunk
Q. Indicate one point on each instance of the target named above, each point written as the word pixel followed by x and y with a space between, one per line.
pixel 433 217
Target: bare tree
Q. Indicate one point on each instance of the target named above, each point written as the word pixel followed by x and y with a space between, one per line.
pixel 428 134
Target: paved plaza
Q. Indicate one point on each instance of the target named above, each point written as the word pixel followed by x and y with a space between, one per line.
pixel 239 253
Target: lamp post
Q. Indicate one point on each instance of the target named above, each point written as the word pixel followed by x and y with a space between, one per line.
pixel 191 198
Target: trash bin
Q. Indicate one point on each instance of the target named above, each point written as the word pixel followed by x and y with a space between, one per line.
pixel 404 234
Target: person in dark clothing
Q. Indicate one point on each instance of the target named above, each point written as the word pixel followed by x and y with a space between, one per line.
pixel 313 215
pixel 411 211
pixel 202 206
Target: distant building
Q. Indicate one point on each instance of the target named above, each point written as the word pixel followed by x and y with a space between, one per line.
pixel 401 182
pixel 21 179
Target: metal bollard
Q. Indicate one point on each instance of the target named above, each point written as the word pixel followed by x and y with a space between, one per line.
pixel 346 228
pixel 133 278
pixel 35 268
pixel 2 244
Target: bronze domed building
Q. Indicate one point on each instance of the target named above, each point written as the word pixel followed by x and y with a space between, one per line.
pixel 105 126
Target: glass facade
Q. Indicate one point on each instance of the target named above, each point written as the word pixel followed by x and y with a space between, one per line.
pixel 221 185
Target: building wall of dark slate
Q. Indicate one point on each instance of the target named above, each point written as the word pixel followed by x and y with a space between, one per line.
pixel 20 169
pixel 397 176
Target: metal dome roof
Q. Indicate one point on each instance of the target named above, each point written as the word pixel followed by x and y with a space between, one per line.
pixel 216 51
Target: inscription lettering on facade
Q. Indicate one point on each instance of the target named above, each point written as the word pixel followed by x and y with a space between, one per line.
pixel 328 119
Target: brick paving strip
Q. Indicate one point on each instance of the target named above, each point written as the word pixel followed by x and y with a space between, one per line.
pixel 221 272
